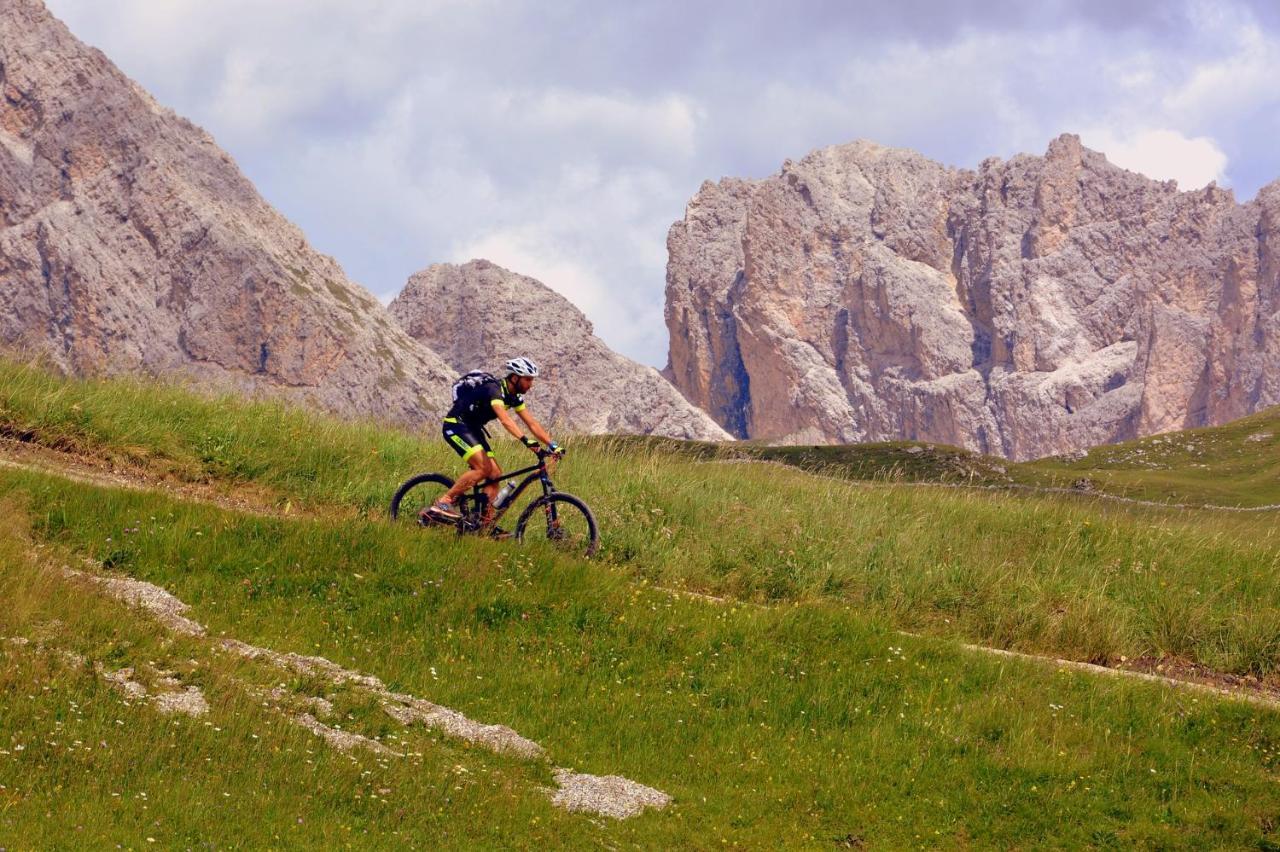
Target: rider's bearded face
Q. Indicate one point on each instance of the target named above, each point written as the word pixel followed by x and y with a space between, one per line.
pixel 523 383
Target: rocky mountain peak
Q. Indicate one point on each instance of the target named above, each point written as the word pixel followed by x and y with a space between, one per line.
pixel 1038 305
pixel 477 315
pixel 484 286
pixel 129 242
pixel 1067 148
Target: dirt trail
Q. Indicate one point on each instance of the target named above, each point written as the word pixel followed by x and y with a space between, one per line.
pixel 33 458
pixel 1091 494
pixel 1191 678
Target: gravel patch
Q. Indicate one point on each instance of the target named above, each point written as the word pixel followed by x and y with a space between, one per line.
pixel 406 710
pixel 607 795
pixel 122 679
pixel 304 665
pixel 322 707
pixel 189 702
pixel 163 606
pixel 23 642
pixel 169 699
pixel 341 740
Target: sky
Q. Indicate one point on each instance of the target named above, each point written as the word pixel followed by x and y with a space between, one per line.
pixel 562 138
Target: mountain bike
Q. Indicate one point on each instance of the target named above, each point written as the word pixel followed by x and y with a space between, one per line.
pixel 565 520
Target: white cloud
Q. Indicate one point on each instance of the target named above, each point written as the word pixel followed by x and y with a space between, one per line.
pixel 1163 155
pixel 599 240
pixel 667 124
pixel 1242 80
pixel 594 231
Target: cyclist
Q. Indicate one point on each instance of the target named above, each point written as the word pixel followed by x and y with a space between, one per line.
pixel 478 398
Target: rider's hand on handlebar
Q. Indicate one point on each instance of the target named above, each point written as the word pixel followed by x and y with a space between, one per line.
pixel 555 449
pixel 530 443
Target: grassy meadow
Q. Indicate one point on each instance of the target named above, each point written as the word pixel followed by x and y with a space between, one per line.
pixel 793 715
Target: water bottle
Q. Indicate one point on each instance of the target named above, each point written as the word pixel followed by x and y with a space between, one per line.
pixel 504 494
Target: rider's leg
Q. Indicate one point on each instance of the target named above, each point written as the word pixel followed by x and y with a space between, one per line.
pixel 479 462
pixel 492 472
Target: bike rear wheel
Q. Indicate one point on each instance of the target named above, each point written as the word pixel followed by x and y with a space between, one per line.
pixel 417 494
pixel 562 520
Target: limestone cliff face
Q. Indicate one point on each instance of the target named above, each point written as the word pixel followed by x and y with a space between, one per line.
pixel 1035 306
pixel 129 242
pixel 478 315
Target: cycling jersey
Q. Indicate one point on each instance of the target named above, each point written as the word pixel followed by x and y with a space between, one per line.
pixel 476 398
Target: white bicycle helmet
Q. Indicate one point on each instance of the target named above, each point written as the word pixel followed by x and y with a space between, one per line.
pixel 522 367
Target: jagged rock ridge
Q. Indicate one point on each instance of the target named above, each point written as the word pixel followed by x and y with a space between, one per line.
pixel 129 242
pixel 478 314
pixel 1036 306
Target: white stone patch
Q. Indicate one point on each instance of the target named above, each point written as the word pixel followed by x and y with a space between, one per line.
pixel 406 709
pixel 608 795
pixel 305 665
pixel 322 706
pixel 163 606
pixel 169 699
pixel 122 680
pixel 339 739
pixel 189 702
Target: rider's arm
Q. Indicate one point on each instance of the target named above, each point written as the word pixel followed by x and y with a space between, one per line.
pixel 505 419
pixel 534 426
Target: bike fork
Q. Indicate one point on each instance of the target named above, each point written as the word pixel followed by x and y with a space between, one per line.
pixel 550 508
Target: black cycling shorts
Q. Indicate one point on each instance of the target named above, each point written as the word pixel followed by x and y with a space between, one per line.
pixel 464 441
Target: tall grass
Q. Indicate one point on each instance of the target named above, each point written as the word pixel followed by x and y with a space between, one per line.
pixel 1052 574
pixel 798 726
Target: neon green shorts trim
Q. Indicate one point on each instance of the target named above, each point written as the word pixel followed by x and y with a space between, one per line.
pixel 463 441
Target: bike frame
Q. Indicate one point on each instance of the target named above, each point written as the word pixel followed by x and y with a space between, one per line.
pixel 538 471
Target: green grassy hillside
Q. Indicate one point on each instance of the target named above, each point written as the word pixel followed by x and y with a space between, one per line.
pixel 1233 465
pixel 792 714
pixel 1236 465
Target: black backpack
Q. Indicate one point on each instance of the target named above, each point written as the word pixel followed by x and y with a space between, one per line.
pixel 468 384
pixel 472 380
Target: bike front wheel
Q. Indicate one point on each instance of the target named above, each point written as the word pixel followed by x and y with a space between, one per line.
pixel 416 495
pixel 561 519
